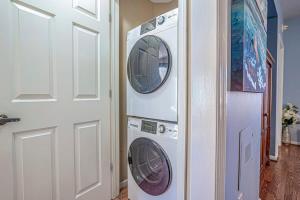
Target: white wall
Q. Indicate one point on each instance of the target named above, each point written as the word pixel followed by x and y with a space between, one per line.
pixel 244 111
pixel 160 8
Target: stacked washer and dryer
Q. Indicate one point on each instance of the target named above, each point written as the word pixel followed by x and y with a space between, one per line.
pixel 152 108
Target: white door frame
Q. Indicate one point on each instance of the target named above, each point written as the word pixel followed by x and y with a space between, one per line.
pixel 209 60
pixel 221 75
pixel 115 138
pixel 279 88
pixel 224 65
pixel 182 102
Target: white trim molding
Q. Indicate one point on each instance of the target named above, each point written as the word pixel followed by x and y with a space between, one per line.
pixel 295 143
pixel 182 100
pixel 124 184
pixel 273 158
pixel 279 93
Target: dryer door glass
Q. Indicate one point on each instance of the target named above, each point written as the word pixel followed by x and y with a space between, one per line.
pixel 150 166
pixel 149 64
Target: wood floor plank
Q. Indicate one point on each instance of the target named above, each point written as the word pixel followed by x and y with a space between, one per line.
pixel 123 195
pixel 282 178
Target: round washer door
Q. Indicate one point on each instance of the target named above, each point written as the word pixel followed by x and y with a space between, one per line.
pixel 150 166
pixel 149 64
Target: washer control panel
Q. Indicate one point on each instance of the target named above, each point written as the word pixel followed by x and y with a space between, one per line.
pixel 149 127
pixel 153 127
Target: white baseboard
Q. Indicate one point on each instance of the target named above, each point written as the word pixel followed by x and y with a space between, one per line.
pixel 123 184
pixel 274 158
pixel 295 143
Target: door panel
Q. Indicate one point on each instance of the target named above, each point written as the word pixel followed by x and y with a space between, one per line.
pixel 88 7
pixel 32 28
pixel 55 76
pixel 87 156
pixel 86 63
pixel 35 159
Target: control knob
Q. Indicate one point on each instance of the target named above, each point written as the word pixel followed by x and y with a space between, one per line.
pixel 161 20
pixel 162 128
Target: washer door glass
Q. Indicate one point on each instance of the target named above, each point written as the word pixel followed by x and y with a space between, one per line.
pixel 150 166
pixel 149 64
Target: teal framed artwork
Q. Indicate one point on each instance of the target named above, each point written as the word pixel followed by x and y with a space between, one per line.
pixel 249 46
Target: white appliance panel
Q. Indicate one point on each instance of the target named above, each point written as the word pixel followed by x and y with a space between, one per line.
pixel 168 141
pixel 162 103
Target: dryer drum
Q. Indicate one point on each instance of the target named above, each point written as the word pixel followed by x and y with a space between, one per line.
pixel 150 166
pixel 149 64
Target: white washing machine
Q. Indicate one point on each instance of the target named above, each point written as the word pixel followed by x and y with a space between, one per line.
pixel 152 159
pixel 152 69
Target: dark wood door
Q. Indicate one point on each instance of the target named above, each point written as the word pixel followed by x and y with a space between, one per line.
pixel 266 119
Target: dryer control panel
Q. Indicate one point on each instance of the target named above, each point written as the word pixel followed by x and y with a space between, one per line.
pixel 164 20
pixel 148 26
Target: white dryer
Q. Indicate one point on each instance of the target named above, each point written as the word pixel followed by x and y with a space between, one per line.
pixel 152 69
pixel 152 160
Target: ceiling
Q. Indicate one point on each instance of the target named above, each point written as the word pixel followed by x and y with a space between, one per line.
pixel 290 8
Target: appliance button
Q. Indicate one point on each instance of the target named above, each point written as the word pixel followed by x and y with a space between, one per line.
pixel 161 20
pixel 162 128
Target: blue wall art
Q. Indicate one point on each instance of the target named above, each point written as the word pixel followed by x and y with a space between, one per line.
pixel 263 8
pixel 249 47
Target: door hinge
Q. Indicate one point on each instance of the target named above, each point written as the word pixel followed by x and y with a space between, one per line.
pixel 111 167
pixel 110 18
pixel 110 93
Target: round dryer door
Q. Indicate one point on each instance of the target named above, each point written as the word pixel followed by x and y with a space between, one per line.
pixel 149 64
pixel 150 166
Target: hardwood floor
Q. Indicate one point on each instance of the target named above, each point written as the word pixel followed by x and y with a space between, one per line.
pixel 282 178
pixel 123 195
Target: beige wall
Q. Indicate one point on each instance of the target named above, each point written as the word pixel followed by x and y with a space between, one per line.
pixel 159 9
pixel 132 14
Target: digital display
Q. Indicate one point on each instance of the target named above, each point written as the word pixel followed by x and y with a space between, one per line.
pixel 149 127
pixel 149 26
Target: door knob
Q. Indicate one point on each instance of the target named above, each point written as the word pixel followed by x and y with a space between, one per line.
pixel 4 120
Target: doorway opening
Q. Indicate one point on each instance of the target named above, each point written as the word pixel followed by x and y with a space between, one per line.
pixel 132 14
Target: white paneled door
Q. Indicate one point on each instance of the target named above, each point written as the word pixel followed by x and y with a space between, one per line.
pixel 55 77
